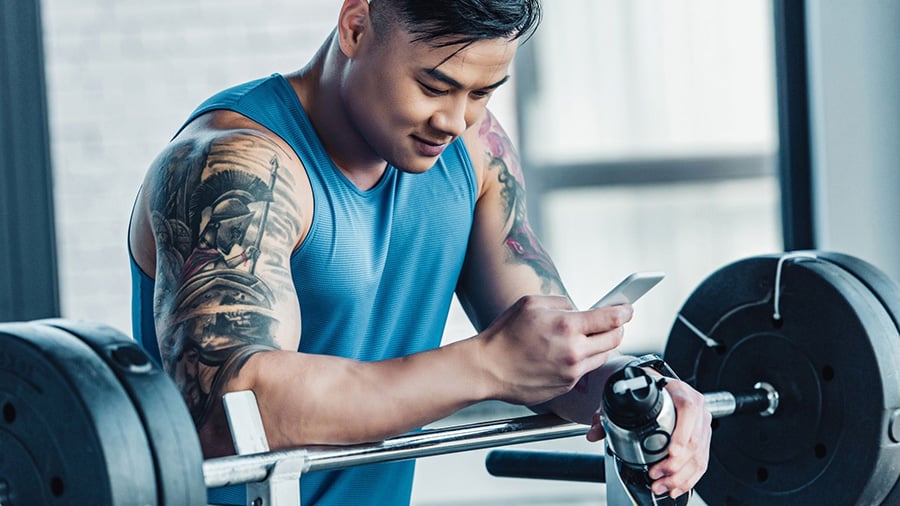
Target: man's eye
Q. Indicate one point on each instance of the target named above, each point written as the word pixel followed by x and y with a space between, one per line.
pixel 432 91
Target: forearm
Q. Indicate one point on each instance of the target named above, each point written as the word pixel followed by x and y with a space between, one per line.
pixel 309 399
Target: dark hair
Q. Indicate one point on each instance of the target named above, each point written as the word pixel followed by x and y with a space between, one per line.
pixel 450 22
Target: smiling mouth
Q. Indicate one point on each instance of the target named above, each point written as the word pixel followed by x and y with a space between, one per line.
pixel 430 148
pixel 430 142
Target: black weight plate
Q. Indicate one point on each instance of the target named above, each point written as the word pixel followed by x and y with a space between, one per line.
pixel 170 430
pixel 828 442
pixel 68 433
pixel 888 292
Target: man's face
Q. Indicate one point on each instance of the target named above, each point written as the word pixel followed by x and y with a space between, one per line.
pixel 409 100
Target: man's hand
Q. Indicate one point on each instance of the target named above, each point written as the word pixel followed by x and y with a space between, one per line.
pixel 689 447
pixel 540 347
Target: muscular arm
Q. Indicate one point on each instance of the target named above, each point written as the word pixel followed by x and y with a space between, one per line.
pixel 224 219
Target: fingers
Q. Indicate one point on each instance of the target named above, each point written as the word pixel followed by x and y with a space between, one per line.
pixel 605 330
pixel 598 333
pixel 589 322
pixel 596 433
pixel 689 449
pixel 541 347
pixel 603 319
pixel 604 326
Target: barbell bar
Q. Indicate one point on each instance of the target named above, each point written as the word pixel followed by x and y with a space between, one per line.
pixel 257 467
pixel 224 471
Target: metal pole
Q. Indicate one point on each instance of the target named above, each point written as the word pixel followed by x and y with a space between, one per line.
pixel 763 400
pixel 236 469
pixel 224 471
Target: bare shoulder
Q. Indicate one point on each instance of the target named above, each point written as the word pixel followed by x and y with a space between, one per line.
pixel 220 199
pixel 493 153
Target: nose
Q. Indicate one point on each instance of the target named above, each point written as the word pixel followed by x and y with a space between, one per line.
pixel 451 117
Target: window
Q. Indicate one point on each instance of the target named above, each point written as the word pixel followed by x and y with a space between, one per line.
pixel 648 135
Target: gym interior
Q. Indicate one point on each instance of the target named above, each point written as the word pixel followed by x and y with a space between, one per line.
pixel 719 142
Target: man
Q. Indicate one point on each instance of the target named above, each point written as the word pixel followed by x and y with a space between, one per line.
pixel 379 183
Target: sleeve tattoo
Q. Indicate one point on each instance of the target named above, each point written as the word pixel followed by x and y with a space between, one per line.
pixel 521 244
pixel 211 214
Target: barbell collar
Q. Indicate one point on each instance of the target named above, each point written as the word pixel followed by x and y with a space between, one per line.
pixel 763 400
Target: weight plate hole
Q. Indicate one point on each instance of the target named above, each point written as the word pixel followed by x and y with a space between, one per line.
pixel 9 413
pixel 777 323
pixel 131 359
pixel 827 373
pixel 720 349
pixel 762 474
pixel 56 486
pixel 714 424
pixel 821 451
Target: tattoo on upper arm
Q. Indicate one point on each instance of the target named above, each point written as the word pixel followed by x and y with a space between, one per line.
pixel 521 244
pixel 211 213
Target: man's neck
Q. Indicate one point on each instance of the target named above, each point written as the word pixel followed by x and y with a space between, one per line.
pixel 318 89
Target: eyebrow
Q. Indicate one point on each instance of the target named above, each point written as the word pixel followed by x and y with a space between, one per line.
pixel 440 76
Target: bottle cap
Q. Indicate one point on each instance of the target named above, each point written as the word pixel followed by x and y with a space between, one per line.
pixel 631 399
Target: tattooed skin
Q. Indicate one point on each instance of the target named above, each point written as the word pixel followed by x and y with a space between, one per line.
pixel 211 219
pixel 520 242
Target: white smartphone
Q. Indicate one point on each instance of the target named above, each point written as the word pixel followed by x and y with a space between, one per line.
pixel 630 289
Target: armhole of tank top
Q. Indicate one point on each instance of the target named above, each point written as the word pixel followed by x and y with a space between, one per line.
pixel 302 241
pixel 465 160
pixel 128 236
pixel 298 246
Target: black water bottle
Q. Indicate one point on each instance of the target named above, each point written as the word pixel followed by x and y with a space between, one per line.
pixel 639 417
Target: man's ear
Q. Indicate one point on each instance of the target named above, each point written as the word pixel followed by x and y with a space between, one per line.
pixel 353 22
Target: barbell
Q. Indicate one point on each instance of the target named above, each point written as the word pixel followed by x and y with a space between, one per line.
pixel 88 418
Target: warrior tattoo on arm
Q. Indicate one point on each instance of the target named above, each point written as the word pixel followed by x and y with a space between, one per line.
pixel 210 215
pixel 520 242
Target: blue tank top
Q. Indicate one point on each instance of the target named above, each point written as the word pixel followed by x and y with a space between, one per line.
pixel 375 275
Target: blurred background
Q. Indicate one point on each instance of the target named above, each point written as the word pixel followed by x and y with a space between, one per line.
pixel 673 135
